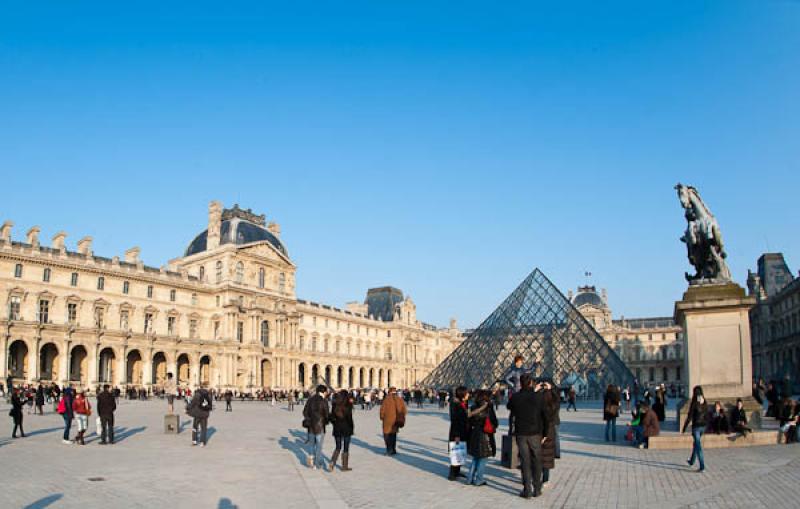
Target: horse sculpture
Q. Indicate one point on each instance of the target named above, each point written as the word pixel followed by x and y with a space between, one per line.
pixel 703 240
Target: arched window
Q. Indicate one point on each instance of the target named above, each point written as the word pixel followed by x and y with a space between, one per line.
pixel 239 272
pixel 265 333
pixel 262 276
pixel 219 272
pixel 202 273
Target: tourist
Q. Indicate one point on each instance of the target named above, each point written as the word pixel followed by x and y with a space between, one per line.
pixel 550 448
pixel 30 395
pixel 482 426
pixel 459 425
pixel 170 391
pixel 315 417
pixel 393 415
pixel 531 428
pixel 719 421
pixel 40 399
pixel 199 409
pixel 637 431
pixel 82 409
pixel 739 419
pixel 660 403
pixel 573 396
pixel 772 400
pixel 228 400
pixel 16 413
pixel 343 428
pixel 610 412
pixel 106 404
pixel 290 400
pixel 626 393
pixel 651 426
pixel 698 411
pixel 65 409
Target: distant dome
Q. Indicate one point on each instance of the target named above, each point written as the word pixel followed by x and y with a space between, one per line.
pixel 587 295
pixel 236 231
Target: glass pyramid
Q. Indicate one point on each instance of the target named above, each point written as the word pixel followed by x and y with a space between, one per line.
pixel 538 322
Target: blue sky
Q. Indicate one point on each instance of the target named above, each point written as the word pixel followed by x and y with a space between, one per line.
pixel 443 148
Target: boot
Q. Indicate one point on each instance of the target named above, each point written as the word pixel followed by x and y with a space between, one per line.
pixel 82 442
pixel 345 462
pixel 332 464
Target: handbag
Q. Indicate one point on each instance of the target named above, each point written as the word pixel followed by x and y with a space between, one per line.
pixel 458 453
pixel 62 407
pixel 487 426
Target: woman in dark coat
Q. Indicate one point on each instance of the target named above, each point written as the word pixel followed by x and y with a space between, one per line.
pixel 343 429
pixel 482 425
pixel 16 413
pixel 40 400
pixel 697 415
pixel 551 405
pixel 610 412
pixel 659 406
pixel 459 425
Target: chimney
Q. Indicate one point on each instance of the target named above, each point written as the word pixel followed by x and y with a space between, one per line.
pixel 5 231
pixel 58 241
pixel 32 237
pixel 214 225
pixel 453 324
pixel 132 255
pixel 85 246
pixel 274 228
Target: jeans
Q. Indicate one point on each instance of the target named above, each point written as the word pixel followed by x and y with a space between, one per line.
pixel 318 439
pixel 342 443
pixel 390 439
pixel 83 421
pixel 67 425
pixel 638 435
pixel 530 452
pixel 200 430
pixel 611 429
pixel 476 469
pixel 107 423
pixel 697 447
pixel 571 405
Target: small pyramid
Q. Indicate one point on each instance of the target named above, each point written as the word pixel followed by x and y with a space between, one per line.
pixel 538 322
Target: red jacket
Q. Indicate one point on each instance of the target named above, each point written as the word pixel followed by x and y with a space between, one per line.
pixel 81 406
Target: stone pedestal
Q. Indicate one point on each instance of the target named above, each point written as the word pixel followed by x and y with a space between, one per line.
pixel 716 325
pixel 171 424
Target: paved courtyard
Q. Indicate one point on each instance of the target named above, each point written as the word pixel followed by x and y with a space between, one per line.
pixel 256 453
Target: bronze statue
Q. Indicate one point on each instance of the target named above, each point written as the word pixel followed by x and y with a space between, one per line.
pixel 703 240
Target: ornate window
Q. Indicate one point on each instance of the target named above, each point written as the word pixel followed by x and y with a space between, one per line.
pixel 219 271
pixel 14 307
pixel 99 315
pixel 172 294
pixel 149 291
pixel 265 332
pixel 239 272
pixel 148 323
pixel 202 273
pixel 170 326
pixel 73 280
pixel 126 287
pixel 44 311
pixel 101 283
pixel 262 277
pixel 72 313
pixel 46 275
pixel 192 328
pixel 240 331
pixel 124 319
pixel 282 282
pixel 18 270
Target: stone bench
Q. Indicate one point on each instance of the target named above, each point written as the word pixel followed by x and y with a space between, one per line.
pixel 712 441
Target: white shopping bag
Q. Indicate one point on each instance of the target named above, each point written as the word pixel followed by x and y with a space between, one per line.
pixel 458 453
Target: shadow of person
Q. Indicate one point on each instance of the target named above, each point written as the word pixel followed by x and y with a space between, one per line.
pixel 122 434
pixel 45 502
pixel 43 431
pixel 296 444
pixel 210 432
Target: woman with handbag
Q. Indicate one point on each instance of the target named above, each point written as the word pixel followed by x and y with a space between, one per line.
pixel 16 413
pixel 65 409
pixel 82 409
pixel 459 426
pixel 610 412
pixel 482 426
pixel 343 428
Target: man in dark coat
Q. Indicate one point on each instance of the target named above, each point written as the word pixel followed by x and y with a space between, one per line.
pixel 315 416
pixel 228 399
pixel 200 408
pixel 16 412
pixel 531 429
pixel 106 405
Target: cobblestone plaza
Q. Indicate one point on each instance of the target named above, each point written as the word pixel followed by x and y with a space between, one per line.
pixel 255 458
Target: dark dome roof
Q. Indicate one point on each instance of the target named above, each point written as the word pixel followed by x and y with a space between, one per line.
pixel 587 297
pixel 236 231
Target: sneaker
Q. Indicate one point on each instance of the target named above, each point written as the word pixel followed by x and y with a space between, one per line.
pixel 310 461
pixel 68 442
pixel 202 445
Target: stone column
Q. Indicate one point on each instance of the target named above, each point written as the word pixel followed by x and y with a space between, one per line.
pixel 64 361
pixel 92 359
pixel 121 370
pixel 33 360
pixel 4 358
pixel 147 369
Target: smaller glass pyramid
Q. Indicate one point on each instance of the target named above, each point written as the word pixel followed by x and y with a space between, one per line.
pixel 538 322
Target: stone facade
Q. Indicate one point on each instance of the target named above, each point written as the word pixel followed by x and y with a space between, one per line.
pixel 652 348
pixel 775 319
pixel 224 314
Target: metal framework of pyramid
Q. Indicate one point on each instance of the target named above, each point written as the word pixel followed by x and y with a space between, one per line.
pixel 538 322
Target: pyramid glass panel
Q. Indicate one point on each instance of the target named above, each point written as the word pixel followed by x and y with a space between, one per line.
pixel 538 322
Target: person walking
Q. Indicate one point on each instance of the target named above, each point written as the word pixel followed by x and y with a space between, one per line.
pixel 200 408
pixel 290 400
pixel 531 428
pixel 315 418
pixel 698 410
pixel 82 409
pixel 610 412
pixel 626 394
pixel 65 409
pixel 343 428
pixel 573 396
pixel 459 425
pixel 40 400
pixel 16 413
pixel 393 414
pixel 106 405
pixel 228 400
pixel 482 426
pixel 170 391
